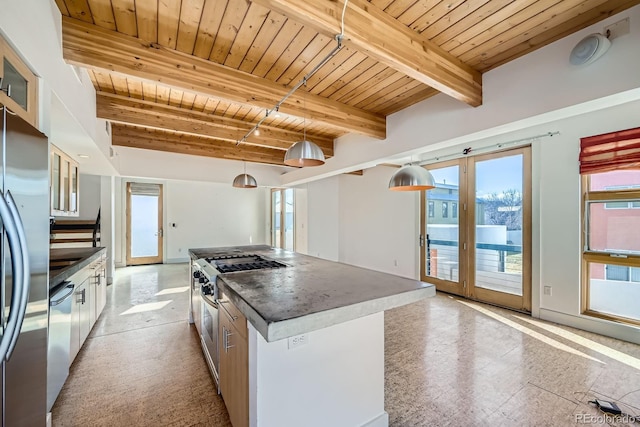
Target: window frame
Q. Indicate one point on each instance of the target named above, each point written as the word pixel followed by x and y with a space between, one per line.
pixel 609 257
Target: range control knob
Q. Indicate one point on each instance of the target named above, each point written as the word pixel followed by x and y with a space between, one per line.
pixel 197 274
pixel 202 279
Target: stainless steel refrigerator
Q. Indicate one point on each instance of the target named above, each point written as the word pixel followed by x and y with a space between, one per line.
pixel 24 262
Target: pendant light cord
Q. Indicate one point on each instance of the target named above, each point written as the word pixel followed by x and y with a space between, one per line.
pixel 315 69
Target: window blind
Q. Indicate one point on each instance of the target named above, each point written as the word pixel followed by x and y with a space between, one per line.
pixel 144 189
pixel 610 151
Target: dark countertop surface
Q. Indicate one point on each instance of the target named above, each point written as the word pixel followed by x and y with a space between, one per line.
pixel 311 293
pixel 74 258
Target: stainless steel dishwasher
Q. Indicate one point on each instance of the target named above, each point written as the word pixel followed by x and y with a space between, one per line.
pixel 59 340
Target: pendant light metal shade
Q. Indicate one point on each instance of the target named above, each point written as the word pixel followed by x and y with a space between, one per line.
pixel 304 153
pixel 412 178
pixel 244 181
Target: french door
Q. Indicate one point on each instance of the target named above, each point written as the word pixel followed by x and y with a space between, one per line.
pixel 144 223
pixel 283 218
pixel 476 228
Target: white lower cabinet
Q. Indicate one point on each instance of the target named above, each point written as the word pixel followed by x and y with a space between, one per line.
pixel 90 297
pixel 80 317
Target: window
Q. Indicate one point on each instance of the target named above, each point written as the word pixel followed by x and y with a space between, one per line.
pixel 454 210
pixel 611 226
pixel 445 210
pixel 431 209
pixel 283 219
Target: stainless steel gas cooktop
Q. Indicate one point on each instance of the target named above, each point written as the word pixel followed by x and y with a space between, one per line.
pixel 242 262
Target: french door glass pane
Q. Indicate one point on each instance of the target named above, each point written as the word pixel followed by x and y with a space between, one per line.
pixel 499 224
pixel 442 225
pixel 275 215
pixel 144 226
pixel 615 290
pixel 288 219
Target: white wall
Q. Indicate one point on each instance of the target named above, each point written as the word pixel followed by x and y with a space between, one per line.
pixel 205 215
pixel 162 165
pixel 89 196
pixel 301 215
pixel 209 214
pixel 323 219
pixel 378 228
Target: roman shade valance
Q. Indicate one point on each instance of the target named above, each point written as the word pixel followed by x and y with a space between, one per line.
pixel 610 151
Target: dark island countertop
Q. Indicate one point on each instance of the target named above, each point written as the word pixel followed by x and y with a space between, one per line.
pixel 311 293
pixel 65 262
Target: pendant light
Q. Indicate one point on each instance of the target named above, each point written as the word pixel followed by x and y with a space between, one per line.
pixel 244 180
pixel 412 178
pixel 304 153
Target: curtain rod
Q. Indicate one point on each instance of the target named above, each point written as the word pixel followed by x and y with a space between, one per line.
pixel 487 148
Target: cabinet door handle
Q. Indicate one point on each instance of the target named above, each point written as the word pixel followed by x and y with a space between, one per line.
pixel 226 334
pixel 84 295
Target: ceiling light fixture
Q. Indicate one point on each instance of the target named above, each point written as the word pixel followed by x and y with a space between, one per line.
pixel 244 180
pixel 589 49
pixel 412 178
pixel 304 153
pixel 257 132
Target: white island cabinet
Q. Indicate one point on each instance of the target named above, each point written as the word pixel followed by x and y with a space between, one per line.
pixel 335 379
pixel 314 340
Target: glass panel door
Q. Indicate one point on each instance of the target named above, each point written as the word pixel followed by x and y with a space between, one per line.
pixel 441 216
pixel 288 220
pixel 283 219
pixel 475 228
pixel 501 229
pixel 144 223
pixel 276 213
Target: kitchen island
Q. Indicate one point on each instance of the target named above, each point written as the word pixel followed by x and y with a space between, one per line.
pixel 315 337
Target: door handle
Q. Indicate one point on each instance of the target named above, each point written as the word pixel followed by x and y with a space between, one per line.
pixel 20 270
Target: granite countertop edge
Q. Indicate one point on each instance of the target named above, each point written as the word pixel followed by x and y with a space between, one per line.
pixel 59 276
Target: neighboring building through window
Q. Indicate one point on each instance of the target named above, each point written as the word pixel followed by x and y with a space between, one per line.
pixel 454 210
pixel 431 208
pixel 445 210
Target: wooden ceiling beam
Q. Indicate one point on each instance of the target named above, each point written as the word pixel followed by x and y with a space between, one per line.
pixel 91 46
pixel 384 38
pixel 148 139
pixel 122 109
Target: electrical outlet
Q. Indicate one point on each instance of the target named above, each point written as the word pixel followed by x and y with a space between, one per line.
pixel 618 29
pixel 298 341
pixel 547 290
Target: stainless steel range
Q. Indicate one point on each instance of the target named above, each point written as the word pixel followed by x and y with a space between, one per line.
pixel 206 296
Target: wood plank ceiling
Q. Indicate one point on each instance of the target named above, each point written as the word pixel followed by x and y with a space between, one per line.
pixel 193 76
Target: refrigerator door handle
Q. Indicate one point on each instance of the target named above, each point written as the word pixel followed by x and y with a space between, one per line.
pixel 26 273
pixel 12 328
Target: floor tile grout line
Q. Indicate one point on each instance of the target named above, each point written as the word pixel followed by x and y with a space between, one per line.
pixel 135 329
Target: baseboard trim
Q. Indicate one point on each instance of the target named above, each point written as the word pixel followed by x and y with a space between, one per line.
pixel 381 420
pixel 592 324
pixel 176 260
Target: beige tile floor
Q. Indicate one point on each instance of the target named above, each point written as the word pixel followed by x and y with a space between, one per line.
pixel 449 362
